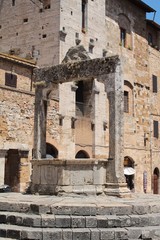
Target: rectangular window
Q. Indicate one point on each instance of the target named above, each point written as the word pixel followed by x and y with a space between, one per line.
pixel 10 80
pixel 126 101
pixel 84 15
pixel 13 2
pixel 155 129
pixel 154 84
pixel 123 37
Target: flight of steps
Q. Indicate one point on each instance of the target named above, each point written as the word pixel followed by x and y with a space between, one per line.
pixel 71 222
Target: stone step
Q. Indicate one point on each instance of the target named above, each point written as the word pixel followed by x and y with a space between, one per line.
pixel 72 221
pixel 80 210
pixel 17 232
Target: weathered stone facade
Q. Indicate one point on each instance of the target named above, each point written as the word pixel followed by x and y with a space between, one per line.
pixel 45 31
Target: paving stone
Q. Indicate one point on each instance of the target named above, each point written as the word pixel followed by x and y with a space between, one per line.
pixel 81 234
pixel 78 222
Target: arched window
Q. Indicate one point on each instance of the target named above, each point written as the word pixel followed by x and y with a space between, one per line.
pixel 82 154
pixel 128 97
pixel 51 151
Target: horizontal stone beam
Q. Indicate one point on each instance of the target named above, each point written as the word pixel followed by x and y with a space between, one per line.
pixel 80 70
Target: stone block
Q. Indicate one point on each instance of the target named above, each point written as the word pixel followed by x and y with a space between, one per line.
pixel 48 221
pixel 48 174
pixel 39 209
pixel 63 221
pixel 2 218
pixel 102 222
pixel 141 209
pixel 134 232
pixel 52 234
pixel 91 222
pixel 32 221
pixel 113 221
pixel 95 234
pixel 125 221
pixel 3 233
pixel 135 220
pixel 13 233
pixel 67 234
pixel 107 234
pixel 77 222
pixel 120 234
pixel 34 233
pixel 81 234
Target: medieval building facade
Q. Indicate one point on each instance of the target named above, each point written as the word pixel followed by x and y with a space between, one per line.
pixel 45 33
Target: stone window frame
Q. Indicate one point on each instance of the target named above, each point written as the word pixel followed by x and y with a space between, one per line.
pixel 125 31
pixel 84 8
pixel 10 80
pixel 128 99
pixel 155 129
pixel 154 84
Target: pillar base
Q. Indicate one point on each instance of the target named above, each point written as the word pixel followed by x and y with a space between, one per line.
pixel 117 189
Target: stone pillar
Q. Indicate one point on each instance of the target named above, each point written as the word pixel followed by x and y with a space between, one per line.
pixel 40 124
pixel 115 181
pixel 3 153
pixel 24 170
pixel 99 120
pixel 67 108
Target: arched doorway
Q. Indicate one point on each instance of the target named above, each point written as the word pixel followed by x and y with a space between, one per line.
pixel 51 151
pixel 82 154
pixel 156 181
pixel 129 172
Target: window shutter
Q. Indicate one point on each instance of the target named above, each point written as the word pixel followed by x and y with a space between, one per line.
pixel 154 82
pixel 155 129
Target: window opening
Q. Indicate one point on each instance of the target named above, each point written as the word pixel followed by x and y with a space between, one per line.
pixel 25 20
pixel 154 84
pixel 150 39
pixel 155 129
pixel 84 15
pixel 126 101
pixel 123 37
pixel 11 80
pixel 13 2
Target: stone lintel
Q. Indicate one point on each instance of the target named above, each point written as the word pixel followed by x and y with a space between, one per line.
pixel 64 162
pixel 80 70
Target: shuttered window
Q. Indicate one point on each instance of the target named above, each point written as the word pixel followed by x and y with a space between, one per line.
pixel 154 83
pixel 10 80
pixel 126 101
pixel 155 129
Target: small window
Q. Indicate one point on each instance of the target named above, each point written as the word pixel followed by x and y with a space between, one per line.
pixel 25 20
pixel 84 15
pixel 154 84
pixel 10 80
pixel 13 2
pixel 150 39
pixel 126 101
pixel 123 37
pixel 155 129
